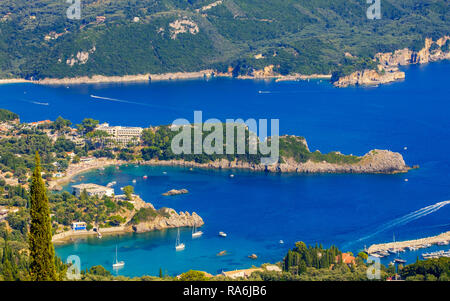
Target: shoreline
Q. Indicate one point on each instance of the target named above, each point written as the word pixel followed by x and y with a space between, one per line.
pixel 415 243
pixel 298 168
pixel 139 78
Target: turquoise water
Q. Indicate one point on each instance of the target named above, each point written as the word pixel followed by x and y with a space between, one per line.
pixel 258 209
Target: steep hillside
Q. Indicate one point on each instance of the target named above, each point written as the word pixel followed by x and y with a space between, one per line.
pixel 128 37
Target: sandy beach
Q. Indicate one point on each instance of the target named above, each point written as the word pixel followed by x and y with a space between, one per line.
pixel 78 168
pixel 14 81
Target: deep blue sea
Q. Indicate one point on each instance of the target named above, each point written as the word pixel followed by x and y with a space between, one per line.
pixel 257 210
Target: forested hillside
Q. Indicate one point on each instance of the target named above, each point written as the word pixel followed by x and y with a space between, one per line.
pixel 128 37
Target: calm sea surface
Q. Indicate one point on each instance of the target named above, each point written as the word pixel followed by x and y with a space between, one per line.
pixel 258 210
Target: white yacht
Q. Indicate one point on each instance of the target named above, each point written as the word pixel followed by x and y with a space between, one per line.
pixel 223 234
pixel 118 264
pixel 196 233
pixel 179 246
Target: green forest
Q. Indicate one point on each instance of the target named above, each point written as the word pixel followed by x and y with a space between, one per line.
pixel 37 40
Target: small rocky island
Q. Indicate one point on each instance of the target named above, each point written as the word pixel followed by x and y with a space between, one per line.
pixel 175 192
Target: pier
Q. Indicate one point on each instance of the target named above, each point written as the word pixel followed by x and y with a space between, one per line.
pixel 382 250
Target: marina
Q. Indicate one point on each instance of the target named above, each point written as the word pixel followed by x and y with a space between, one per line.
pixel 384 250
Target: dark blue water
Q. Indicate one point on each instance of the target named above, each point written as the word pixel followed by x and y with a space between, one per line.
pixel 256 209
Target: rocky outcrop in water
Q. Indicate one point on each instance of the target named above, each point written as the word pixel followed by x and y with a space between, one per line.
pixel 175 192
pixel 172 220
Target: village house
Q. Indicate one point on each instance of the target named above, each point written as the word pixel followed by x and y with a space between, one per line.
pixel 346 258
pixel 241 273
pixel 92 190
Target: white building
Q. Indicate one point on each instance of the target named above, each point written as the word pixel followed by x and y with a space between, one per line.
pixel 92 189
pixel 121 134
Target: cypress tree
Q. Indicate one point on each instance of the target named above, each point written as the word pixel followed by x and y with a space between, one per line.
pixel 42 252
pixel 7 266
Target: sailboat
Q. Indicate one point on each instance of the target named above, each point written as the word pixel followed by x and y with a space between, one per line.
pixel 179 246
pixel 398 259
pixel 195 232
pixel 118 264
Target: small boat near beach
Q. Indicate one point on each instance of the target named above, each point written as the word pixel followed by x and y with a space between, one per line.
pixel 134 181
pixel 145 177
pixel 281 242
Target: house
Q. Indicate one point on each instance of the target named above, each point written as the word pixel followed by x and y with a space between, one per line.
pixel 92 189
pixel 273 268
pixel 100 19
pixel 241 273
pixel 346 258
pixel 79 226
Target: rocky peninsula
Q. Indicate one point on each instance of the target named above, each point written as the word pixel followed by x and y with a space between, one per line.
pixel 375 161
pixel 389 62
pixel 137 222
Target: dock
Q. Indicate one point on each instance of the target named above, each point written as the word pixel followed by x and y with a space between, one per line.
pixel 381 250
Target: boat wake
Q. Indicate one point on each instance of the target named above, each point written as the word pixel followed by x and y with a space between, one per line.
pixel 130 102
pixel 116 100
pixel 407 218
pixel 40 103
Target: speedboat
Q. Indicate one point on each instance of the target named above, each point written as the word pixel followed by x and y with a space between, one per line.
pixel 223 234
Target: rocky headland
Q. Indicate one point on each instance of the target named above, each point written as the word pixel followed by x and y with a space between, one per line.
pixel 375 161
pixel 389 62
pixel 164 218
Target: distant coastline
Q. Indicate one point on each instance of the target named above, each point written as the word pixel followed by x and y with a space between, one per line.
pixel 139 78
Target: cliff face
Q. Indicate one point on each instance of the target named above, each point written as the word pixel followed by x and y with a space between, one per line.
pixel 390 61
pixel 405 56
pixel 176 220
pixel 376 161
pixel 370 77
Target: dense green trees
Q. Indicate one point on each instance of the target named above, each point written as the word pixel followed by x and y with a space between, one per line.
pixel 293 35
pixel 431 269
pixel 6 115
pixel 42 253
pixel 302 257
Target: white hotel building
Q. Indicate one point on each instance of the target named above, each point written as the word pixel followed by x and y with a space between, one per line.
pixel 122 135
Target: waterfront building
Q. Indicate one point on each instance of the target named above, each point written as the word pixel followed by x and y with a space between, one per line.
pixel 122 135
pixel 79 226
pixel 93 189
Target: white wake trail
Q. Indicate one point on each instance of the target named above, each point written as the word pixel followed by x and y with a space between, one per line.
pixel 408 218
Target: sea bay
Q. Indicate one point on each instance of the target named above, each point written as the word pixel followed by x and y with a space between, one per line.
pixel 257 209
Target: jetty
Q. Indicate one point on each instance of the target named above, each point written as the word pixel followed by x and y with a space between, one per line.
pixel 381 250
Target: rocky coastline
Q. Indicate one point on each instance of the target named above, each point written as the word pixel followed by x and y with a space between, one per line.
pixel 374 162
pixel 166 219
pixel 389 62
pixel 387 71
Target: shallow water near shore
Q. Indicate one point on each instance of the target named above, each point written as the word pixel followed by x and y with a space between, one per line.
pixel 256 210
